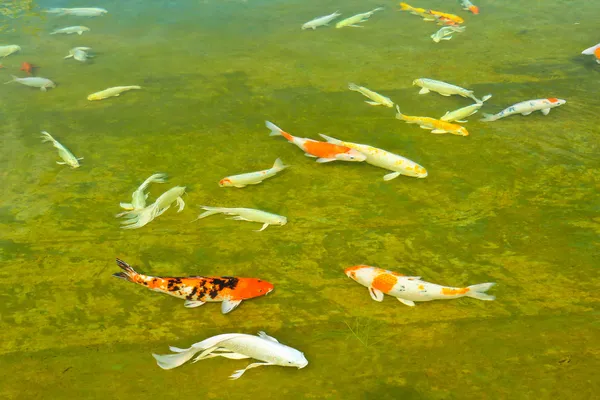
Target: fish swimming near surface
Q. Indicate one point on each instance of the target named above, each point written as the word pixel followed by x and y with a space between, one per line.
pixel 384 159
pixel 357 19
pixel 443 88
pixel 435 125
pixel 320 21
pixel 252 178
pixel 409 289
pixel 138 218
pixel 246 214
pixel 78 12
pixel 111 92
pixel 324 152
pixel 79 53
pixel 42 83
pixel 236 346
pixel 64 153
pixel 8 50
pixel 446 32
pixel 526 108
pixel 198 290
pixel 468 6
pixel 376 98
pixel 71 29
pixel 138 197
pixel 462 113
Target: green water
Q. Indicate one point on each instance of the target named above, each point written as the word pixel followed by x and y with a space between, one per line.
pixel 515 203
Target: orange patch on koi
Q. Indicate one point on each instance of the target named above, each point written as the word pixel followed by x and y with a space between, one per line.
pixel 453 292
pixel 384 282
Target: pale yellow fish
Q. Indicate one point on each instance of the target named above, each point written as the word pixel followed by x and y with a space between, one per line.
pixel 111 92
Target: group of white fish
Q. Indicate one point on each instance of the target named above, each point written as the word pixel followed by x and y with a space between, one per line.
pixel 352 21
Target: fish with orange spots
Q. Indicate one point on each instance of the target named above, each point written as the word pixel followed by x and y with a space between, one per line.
pixel 526 108
pixel 435 125
pixel 252 178
pixel 468 6
pixel 408 289
pixel 197 290
pixel 324 152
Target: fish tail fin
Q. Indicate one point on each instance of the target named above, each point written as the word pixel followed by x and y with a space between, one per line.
pixel 14 78
pixel 486 98
pixel 330 139
pixel 209 211
pixel 478 291
pixel 377 9
pixel 180 357
pixel 353 86
pixel 488 117
pixel 275 130
pixel 46 137
pixel 128 273
pixel 156 178
pixel 136 87
pixel 399 115
pixel 278 165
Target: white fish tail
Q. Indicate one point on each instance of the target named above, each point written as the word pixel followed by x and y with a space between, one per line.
pixel 376 9
pixel 46 137
pixel 209 211
pixel 489 117
pixel 354 86
pixel 170 361
pixel 275 130
pixel 399 115
pixel 278 165
pixel 14 79
pixel 478 291
pixel 157 178
pixel 486 98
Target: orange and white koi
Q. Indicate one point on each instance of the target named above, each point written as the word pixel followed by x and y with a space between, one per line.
pixel 324 152
pixel 197 290
pixel 526 108
pixel 408 289
pixel 468 6
pixel 435 125
pixel 594 50
pixel 445 18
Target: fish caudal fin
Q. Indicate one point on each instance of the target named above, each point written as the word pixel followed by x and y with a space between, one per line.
pixel 46 137
pixel 478 291
pixel 486 98
pixel 128 273
pixel 170 361
pixel 275 130
pixel 209 211
pixel 14 79
pixel 354 86
pixel 279 166
pixel 156 178
pixel 488 117
pixel 399 115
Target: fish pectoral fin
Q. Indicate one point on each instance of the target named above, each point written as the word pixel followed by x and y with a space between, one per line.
pixel 424 126
pixel 424 91
pixel 240 372
pixel 438 131
pixel 406 302
pixel 526 113
pixel 61 162
pixel 545 111
pixel 263 227
pixel 193 304
pixel 373 103
pixel 356 26
pixel 180 203
pixel 391 176
pixel 229 305
pixel 325 160
pixel 265 336
pixel 376 294
pixel 126 206
pixel 309 155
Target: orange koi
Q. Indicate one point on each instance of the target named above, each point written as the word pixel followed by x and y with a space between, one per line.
pixel 446 19
pixel 197 290
pixel 468 6
pixel 435 125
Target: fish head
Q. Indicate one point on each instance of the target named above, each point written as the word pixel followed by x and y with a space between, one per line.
pixel 93 97
pixel 556 102
pixel 248 288
pixel 351 155
pixel 294 358
pixel 462 131
pixel 474 9
pixel 419 172
pixel 362 274
pixel 418 82
pixel 280 220
pixel 73 163
pixel 225 182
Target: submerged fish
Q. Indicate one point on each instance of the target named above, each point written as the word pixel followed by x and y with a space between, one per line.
pixel 445 18
pixel 236 346
pixel 252 178
pixel 408 289
pixel 421 12
pixel 462 113
pixel 446 32
pixel 78 12
pixel 64 153
pixel 320 21
pixel 324 152
pixel 468 6
pixel 111 92
pixel 376 98
pixel 357 19
pixel 435 125
pixel 79 53
pixel 72 29
pixel 526 108
pixel 138 218
pixel 198 290
pixel 443 88
pixel 246 214
pixel 8 50
pixel 37 82
pixel 384 159
pixel 138 197
pixel 589 51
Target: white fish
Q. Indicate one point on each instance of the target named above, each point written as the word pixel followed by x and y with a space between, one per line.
pixel 252 178
pixel 138 197
pixel 526 108
pixel 462 113
pixel 376 98
pixel 78 12
pixel 246 214
pixel 138 218
pixel 79 53
pixel 590 50
pixel 236 346
pixel 446 32
pixel 384 159
pixel 357 19
pixel 63 152
pixel 110 92
pixel 320 21
pixel 72 29
pixel 443 88
pixel 33 81
pixel 8 50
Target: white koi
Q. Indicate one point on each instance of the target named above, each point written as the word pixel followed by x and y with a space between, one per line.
pixel 526 108
pixel 78 12
pixel 376 98
pixel 443 88
pixel 64 153
pixel 111 92
pixel 236 346
pixel 462 113
pixel 72 29
pixel 33 81
pixel 320 21
pixel 138 197
pixel 138 218
pixel 357 19
pixel 79 53
pixel 252 178
pixel 246 214
pixel 8 50
pixel 446 32
pixel 384 159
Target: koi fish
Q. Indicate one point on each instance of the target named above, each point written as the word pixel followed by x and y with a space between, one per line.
pixel 78 12
pixel 8 50
pixel 64 153
pixel 320 21
pixel 111 92
pixel 197 290
pixel 324 152
pixel 357 19
pixel 462 113
pixel 252 178
pixel 236 346
pixel 37 82
pixel 445 18
pixel 246 214
pixel 27 68
pixel 79 53
pixel 384 159
pixel 138 218
pixel 446 32
pixel 421 12
pixel 589 51
pixel 138 197
pixel 435 125
pixel 72 29
pixel 408 289
pixel 445 89
pixel 377 99
pixel 468 6
pixel 526 108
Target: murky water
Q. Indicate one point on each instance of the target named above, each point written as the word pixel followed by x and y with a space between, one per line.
pixel 515 203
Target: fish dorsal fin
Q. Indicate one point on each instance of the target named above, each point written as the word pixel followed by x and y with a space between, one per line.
pixel 376 294
pixel 229 305
pixel 329 139
pixel 267 337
